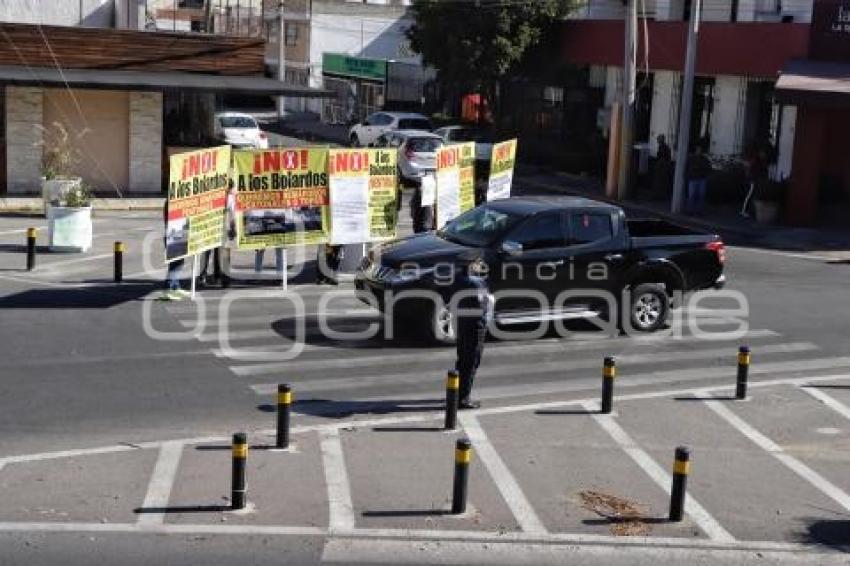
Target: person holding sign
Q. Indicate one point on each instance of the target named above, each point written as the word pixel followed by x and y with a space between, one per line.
pixel 173 292
pixel 422 204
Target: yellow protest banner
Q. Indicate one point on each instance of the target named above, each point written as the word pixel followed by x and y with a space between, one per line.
pixel 502 170
pixel 362 195
pixel 281 197
pixel 197 196
pixel 467 176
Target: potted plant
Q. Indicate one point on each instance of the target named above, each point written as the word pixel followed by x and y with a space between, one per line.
pixel 69 224
pixel 58 158
pixel 767 200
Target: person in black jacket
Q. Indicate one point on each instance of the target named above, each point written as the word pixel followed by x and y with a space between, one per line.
pixel 473 310
pixel 699 168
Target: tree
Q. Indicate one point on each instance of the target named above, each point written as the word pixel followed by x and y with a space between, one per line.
pixel 474 44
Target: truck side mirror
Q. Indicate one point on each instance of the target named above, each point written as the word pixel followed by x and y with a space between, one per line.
pixel 511 248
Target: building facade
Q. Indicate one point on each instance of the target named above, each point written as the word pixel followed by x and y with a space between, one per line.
pixel 124 94
pixel 744 47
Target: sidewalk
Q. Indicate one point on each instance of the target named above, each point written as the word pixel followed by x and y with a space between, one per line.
pixel 557 473
pixel 34 205
pixel 724 220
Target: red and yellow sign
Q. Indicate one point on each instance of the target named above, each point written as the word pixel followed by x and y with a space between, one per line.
pixel 281 197
pixel 197 195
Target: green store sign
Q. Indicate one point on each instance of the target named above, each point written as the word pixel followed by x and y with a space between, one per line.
pixel 347 66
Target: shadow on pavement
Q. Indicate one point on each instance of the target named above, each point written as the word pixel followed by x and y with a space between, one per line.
pixel 825 386
pixel 94 297
pixel 408 513
pixel 707 398
pixel 408 429
pixel 184 509
pixel 344 409
pixel 565 412
pixel 832 533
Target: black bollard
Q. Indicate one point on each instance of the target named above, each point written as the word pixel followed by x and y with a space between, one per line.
pixel 744 358
pixel 681 467
pixel 118 270
pixel 30 249
pixel 609 372
pixel 240 458
pixel 452 399
pixel 463 455
pixel 284 408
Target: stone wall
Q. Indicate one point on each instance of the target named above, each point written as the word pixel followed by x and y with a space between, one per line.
pixel 24 137
pixel 145 142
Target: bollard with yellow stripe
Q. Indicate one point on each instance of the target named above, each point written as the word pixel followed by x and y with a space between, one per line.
pixel 681 469
pixel 609 372
pixel 118 271
pixel 452 399
pixel 463 456
pixel 31 234
pixel 240 460
pixel 744 358
pixel 284 415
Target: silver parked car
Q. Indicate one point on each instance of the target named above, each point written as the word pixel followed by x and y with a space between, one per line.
pixel 417 153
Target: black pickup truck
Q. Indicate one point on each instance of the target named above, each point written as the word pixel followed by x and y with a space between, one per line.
pixel 547 258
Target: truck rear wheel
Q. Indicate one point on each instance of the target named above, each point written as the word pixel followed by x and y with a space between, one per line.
pixel 649 306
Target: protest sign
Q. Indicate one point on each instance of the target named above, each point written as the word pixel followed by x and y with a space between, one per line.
pixel 467 176
pixel 448 184
pixel 502 170
pixel 197 195
pixel 281 197
pixel 362 195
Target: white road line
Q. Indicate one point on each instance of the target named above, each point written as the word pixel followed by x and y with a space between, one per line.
pixel 516 365
pixel 265 333
pixel 815 479
pixel 625 380
pixel 828 400
pixel 425 535
pixel 22 230
pixel 493 349
pixel 53 265
pixel 502 552
pixel 697 512
pixel 509 488
pixel 411 418
pixel 162 479
pixel 340 506
pixel 275 317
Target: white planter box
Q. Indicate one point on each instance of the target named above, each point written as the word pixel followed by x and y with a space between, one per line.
pixel 54 191
pixel 69 229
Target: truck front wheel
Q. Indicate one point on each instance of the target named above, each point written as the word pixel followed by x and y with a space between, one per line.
pixel 649 306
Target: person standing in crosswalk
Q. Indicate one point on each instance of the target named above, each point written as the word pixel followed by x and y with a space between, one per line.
pixel 473 311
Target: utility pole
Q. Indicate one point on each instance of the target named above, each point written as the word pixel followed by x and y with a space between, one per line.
pixel 281 55
pixel 629 96
pixel 686 107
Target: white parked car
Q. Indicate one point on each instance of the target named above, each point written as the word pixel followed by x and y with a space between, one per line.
pixel 460 134
pixel 417 153
pixel 366 132
pixel 240 130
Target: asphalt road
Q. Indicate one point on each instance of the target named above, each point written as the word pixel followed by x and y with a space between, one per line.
pixel 84 368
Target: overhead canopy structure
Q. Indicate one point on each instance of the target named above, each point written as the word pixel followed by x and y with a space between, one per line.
pixel 109 79
pixel 814 82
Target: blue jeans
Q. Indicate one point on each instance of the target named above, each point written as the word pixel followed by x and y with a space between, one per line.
pixel 278 260
pixel 696 194
pixel 172 276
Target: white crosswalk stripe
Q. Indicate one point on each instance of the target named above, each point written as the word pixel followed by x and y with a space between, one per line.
pixel 256 337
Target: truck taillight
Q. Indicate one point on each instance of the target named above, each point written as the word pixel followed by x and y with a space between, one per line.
pixel 719 248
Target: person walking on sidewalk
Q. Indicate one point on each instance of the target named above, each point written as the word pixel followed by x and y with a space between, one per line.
pixel 473 311
pixel 699 168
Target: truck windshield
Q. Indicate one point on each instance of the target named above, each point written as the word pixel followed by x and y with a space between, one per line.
pixel 479 227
